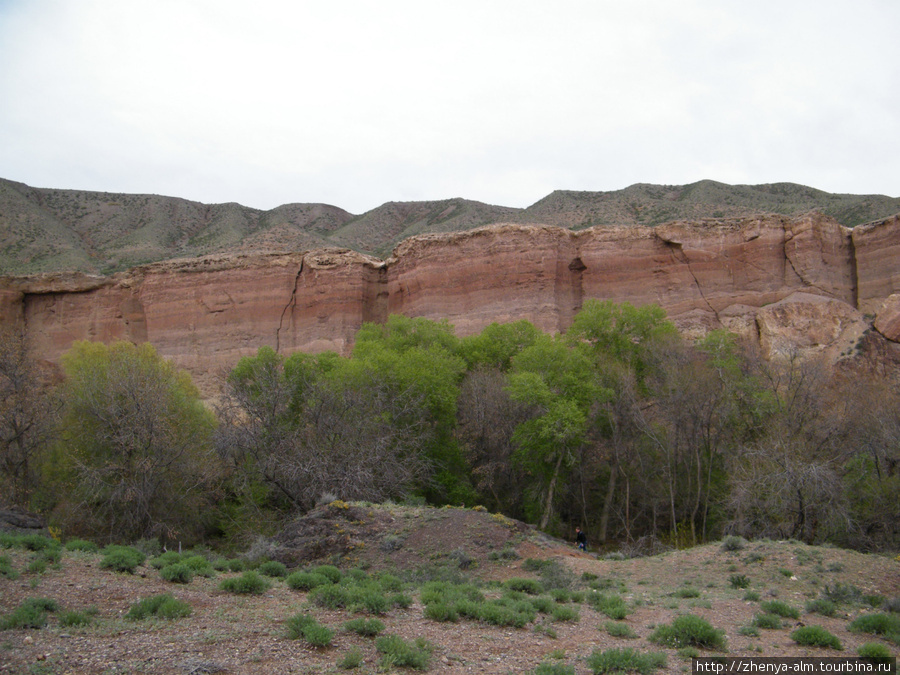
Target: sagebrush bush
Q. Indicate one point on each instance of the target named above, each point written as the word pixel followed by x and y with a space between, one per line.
pixel 739 581
pixel 625 660
pixel 31 613
pixel 733 543
pixel 821 606
pixel 273 568
pixel 6 568
pixel 689 630
pixel 305 626
pixel 687 592
pixel 815 636
pixel 565 613
pixel 330 571
pixel 364 627
pixel 780 608
pixel 82 545
pixel 842 593
pixel 874 650
pixel 398 652
pixel 121 558
pixel 165 559
pixel 249 583
pixel 619 630
pixel 306 581
pixel 74 619
pixel 352 659
pixel 163 606
pixel 199 565
pixel 441 611
pixel 177 573
pixel 612 606
pixel 767 621
pixel 530 586
pixel 879 624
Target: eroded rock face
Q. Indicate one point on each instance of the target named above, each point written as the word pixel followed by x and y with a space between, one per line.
pixel 786 281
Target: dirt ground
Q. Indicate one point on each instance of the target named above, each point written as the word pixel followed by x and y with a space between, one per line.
pixel 228 633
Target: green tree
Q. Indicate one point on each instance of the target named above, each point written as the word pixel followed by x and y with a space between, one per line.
pixel 133 457
pixel 560 382
pixel 497 344
pixel 26 416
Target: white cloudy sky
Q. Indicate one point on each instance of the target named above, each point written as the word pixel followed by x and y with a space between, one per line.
pixel 359 102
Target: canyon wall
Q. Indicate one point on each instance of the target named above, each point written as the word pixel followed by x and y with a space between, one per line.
pixel 789 283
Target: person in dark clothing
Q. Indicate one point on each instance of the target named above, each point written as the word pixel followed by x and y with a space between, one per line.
pixel 580 539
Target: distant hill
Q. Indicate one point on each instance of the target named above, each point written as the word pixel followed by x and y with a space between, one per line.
pixel 49 230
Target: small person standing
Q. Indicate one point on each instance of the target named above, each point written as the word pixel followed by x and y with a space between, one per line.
pixel 580 539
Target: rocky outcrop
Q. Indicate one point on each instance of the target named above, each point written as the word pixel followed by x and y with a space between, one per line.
pixel 803 281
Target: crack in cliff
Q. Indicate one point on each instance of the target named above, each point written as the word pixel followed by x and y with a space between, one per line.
pixel 292 302
pixel 684 260
pixel 788 236
pixel 854 272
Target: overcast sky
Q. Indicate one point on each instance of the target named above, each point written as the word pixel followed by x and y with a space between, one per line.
pixel 359 102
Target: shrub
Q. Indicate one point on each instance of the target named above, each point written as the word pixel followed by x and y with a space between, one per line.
pixel 751 630
pixel 560 595
pixel 165 559
pixel 739 581
pixel 235 565
pixel 891 605
pixel 352 659
pixel 74 619
pixel 306 627
pixel 767 621
pixel 179 573
pixel 441 611
pixel 565 613
pixel 369 600
pixel 398 652
pixel 401 600
pixel 780 608
pixel 332 573
pixel 530 586
pixel 733 543
pixel 842 593
pixel 330 596
pixel 273 569
pixel 543 604
pixel 32 613
pixel 687 592
pixel 249 583
pixel 364 627
pixel 388 582
pixel 619 630
pixel 534 564
pixel 6 568
pixel 821 606
pixel 612 606
pixel 200 565
pixel 874 650
pixel 121 558
pixel 37 542
pixel 163 606
pixel 879 624
pixel 751 596
pixel 689 630
pixel 629 660
pixel 82 545
pixel 306 581
pixel 815 636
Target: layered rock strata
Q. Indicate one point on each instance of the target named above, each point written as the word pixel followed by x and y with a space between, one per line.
pixel 802 282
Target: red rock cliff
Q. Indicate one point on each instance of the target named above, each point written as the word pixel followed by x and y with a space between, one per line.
pixel 761 276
